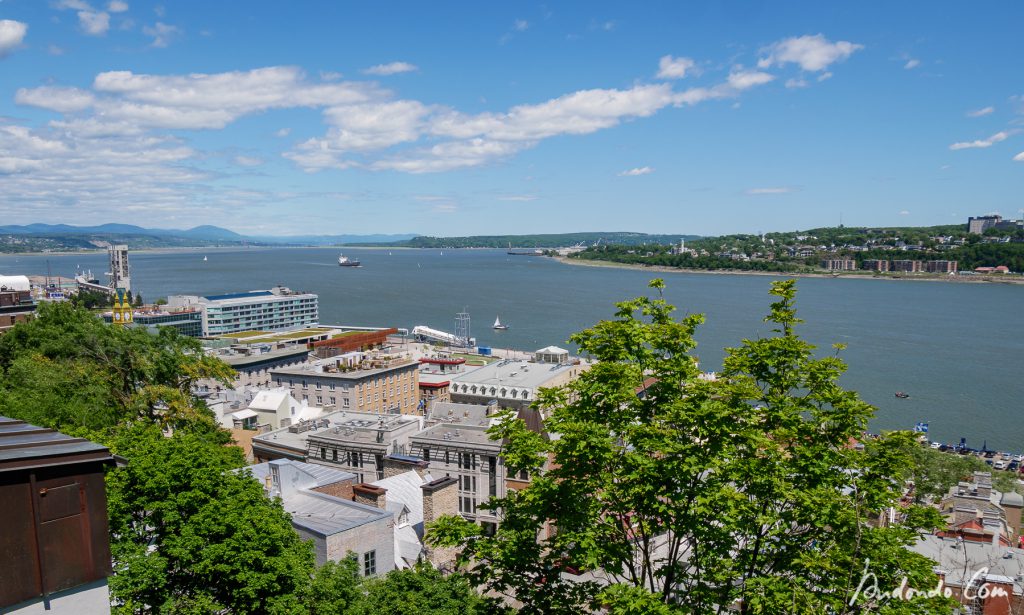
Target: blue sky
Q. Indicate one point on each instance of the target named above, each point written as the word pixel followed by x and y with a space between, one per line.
pixel 469 118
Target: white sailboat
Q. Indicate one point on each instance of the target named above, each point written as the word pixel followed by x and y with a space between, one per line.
pixel 498 326
pixel 204 258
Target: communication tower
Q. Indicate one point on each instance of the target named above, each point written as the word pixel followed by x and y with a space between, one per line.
pixel 120 276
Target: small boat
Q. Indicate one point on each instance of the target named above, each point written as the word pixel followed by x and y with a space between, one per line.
pixel 345 261
pixel 902 395
pixel 498 326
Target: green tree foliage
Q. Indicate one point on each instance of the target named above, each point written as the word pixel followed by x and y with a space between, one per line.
pixel 692 495
pixel 934 472
pixel 422 590
pixel 193 535
pixel 91 299
pixel 101 376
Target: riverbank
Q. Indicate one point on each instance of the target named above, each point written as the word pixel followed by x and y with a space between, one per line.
pixel 915 277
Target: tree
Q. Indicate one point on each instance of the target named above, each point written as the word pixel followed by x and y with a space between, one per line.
pixel 192 534
pixel 109 375
pixel 422 590
pixel 698 495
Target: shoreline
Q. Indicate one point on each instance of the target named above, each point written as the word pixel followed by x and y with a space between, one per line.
pixel 173 250
pixel 778 274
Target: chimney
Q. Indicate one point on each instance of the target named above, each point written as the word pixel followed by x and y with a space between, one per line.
pixel 371 495
pixel 440 497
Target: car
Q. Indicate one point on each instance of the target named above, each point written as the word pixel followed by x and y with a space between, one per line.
pixel 936 445
pixel 1013 466
pixel 944 447
pixel 990 454
pixel 999 464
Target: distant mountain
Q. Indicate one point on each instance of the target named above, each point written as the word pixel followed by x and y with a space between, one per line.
pixel 199 232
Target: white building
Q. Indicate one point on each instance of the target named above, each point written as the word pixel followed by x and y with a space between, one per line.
pixel 265 310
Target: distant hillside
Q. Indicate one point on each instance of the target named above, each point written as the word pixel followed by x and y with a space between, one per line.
pixel 333 240
pixel 557 240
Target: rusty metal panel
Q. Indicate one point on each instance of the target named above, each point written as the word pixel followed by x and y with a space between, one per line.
pixel 19 571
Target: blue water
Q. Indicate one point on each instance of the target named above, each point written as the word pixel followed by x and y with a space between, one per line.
pixel 957 349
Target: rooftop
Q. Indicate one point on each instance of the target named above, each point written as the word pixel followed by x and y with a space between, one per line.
pixel 456 436
pixel 954 557
pixel 27 446
pixel 518 374
pixel 458 414
pixel 328 368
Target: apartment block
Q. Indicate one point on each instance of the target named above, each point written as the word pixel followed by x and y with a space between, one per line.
pixel 361 382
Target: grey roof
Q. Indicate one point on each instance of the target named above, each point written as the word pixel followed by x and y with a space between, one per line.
pixel 456 436
pixel 23 445
pixel 453 413
pixel 327 515
pixel 513 374
pixel 953 558
pixel 322 475
pixel 313 370
pixel 404 493
pixel 1012 498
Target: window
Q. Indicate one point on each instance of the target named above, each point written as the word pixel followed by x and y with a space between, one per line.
pixel 426 454
pixel 318 385
pixel 332 386
pixel 467 505
pixel 467 483
pixel 369 563
pixel 344 402
pixel 524 475
pixel 320 400
pixel 334 455
pixel 323 452
pixel 333 401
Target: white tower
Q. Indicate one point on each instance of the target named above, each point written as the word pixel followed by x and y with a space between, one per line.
pixel 119 273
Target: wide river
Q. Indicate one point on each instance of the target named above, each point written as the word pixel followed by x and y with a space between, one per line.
pixel 957 349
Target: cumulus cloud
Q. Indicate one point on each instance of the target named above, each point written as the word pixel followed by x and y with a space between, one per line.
pixel 774 190
pixel 12 33
pixel 161 33
pixel 674 68
pixel 393 68
pixel 1019 157
pixel 283 132
pixel 520 25
pixel 981 112
pixel 636 171
pixel 794 83
pixel 117 6
pixel 981 143
pixel 911 64
pixel 811 53
pixel 904 213
pixel 54 98
pixel 92 21
pixel 519 198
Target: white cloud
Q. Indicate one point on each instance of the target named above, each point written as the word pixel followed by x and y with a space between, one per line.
pixel 161 33
pixel 981 143
pixel 811 53
pixel 249 161
pixel 393 68
pixel 775 190
pixel 94 23
pixel 904 213
pixel 520 25
pixel 674 68
pixel 283 132
pixel 519 198
pixel 117 6
pixel 636 171
pixel 376 125
pixel 1019 157
pixel 60 99
pixel 746 79
pixel 981 112
pixel 912 63
pixel 824 76
pixel 794 83
pixel 12 33
pixel 54 50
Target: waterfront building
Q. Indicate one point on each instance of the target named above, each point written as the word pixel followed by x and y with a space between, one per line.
pixel 875 265
pixel 975 512
pixel 435 378
pixel 515 383
pixel 839 264
pixel 269 310
pixel 940 266
pixel 966 567
pixel 188 322
pixel 363 382
pixel 906 266
pixel 16 304
pixel 979 224
pixel 254 364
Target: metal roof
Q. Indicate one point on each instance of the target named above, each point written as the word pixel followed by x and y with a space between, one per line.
pixel 247 295
pixel 27 446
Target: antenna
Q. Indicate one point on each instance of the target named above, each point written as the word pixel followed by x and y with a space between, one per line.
pixel 462 328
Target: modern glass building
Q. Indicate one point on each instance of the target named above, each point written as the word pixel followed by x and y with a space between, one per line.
pixel 259 310
pixel 187 322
